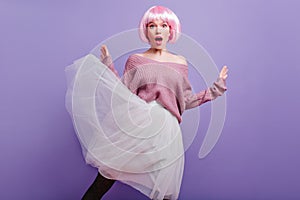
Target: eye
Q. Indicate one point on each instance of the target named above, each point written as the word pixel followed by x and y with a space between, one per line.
pixel 151 26
pixel 165 25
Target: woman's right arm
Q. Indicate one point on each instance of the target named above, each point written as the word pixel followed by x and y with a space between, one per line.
pixel 107 60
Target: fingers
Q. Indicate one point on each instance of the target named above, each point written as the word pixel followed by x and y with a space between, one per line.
pixel 224 69
pixel 223 73
pixel 104 49
pixel 104 52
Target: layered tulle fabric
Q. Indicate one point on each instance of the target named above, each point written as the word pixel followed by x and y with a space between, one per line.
pixel 126 138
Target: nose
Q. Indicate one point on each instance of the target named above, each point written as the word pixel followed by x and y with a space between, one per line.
pixel 158 29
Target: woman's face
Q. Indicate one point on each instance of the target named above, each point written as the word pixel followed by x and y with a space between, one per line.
pixel 158 33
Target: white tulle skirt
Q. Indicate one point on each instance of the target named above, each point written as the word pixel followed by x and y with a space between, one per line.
pixel 126 138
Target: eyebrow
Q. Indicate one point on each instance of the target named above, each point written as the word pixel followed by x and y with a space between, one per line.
pixel 155 23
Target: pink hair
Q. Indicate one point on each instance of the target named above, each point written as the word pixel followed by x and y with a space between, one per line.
pixel 165 14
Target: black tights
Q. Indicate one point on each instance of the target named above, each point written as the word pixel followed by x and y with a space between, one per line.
pixel 98 188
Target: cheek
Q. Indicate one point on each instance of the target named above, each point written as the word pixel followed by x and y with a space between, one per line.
pixel 167 33
pixel 150 37
pixel 149 34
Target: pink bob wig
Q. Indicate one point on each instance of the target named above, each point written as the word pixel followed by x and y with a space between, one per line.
pixel 165 14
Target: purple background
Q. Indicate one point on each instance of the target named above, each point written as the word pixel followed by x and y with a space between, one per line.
pixel 257 156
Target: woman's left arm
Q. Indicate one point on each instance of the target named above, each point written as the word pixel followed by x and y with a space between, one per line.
pixel 217 89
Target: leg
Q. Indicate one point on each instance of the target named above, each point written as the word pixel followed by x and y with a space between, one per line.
pixel 99 187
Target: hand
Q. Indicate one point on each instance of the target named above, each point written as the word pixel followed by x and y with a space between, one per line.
pixel 104 52
pixel 223 74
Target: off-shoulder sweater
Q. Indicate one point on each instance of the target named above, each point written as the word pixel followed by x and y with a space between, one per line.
pixel 165 82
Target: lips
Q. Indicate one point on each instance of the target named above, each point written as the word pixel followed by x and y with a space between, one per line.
pixel 159 39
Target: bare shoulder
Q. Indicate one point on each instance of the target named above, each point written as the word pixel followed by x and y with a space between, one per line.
pixel 180 59
pixel 138 54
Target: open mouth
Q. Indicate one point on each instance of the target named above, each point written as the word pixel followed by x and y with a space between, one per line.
pixel 158 39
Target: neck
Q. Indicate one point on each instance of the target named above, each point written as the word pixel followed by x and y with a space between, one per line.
pixel 157 51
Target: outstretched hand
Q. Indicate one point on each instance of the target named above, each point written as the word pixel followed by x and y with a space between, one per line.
pixel 104 52
pixel 223 74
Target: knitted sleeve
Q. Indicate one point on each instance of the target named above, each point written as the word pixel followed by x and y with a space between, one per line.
pixel 129 72
pixel 193 100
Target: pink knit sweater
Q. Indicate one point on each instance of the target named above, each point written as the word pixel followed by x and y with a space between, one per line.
pixel 165 82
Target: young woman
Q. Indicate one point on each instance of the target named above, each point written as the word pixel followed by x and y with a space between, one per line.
pixel 135 136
